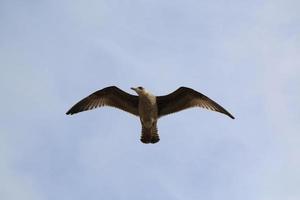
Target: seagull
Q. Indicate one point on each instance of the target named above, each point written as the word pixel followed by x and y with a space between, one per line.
pixel 146 106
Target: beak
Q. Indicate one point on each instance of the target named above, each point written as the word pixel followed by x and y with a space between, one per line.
pixel 133 88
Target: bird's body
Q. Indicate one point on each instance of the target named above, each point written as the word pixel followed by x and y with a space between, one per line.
pixel 148 116
pixel 148 107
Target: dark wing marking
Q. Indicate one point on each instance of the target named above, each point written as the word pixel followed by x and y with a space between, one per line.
pixel 184 98
pixel 109 96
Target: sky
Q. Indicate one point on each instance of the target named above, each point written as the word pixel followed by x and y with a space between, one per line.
pixel 242 54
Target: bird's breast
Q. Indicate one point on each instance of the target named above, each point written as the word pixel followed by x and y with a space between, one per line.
pixel 147 109
pixel 148 112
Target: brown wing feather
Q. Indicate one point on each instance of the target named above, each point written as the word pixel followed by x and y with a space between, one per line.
pixel 184 98
pixel 109 96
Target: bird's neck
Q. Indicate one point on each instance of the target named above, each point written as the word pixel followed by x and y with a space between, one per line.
pixel 147 98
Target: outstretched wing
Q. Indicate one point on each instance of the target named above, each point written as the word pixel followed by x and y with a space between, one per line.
pixel 109 96
pixel 184 98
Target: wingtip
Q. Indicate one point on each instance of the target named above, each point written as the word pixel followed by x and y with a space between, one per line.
pixel 69 113
pixel 231 116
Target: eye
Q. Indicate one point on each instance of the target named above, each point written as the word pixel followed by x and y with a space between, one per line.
pixel 141 88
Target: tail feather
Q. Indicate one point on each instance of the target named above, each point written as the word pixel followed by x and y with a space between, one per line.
pixel 146 135
pixel 149 135
pixel 155 136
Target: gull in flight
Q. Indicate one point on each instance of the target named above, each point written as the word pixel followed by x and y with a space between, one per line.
pixel 146 106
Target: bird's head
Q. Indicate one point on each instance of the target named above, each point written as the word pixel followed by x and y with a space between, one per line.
pixel 139 90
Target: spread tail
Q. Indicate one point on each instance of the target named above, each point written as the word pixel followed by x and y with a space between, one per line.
pixel 149 135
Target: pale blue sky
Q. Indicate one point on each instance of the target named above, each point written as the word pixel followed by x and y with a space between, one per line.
pixel 243 54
